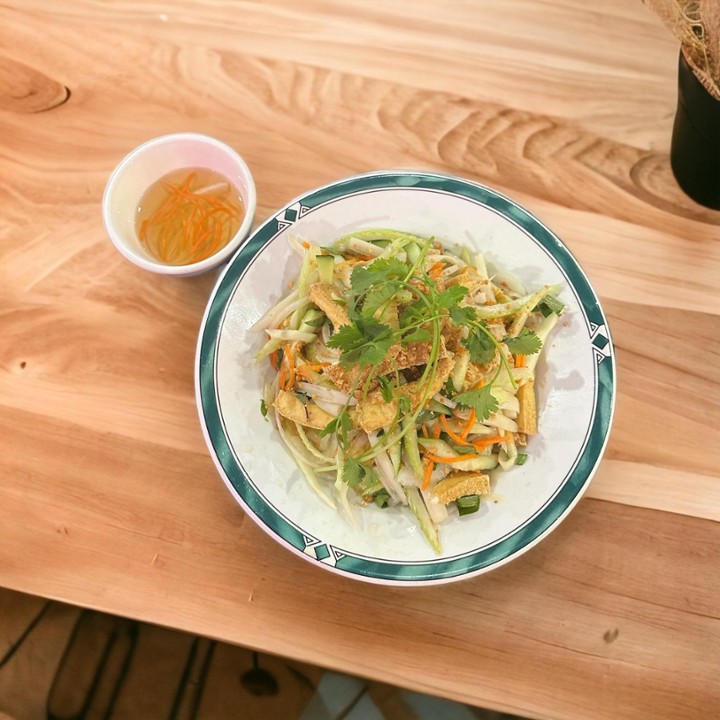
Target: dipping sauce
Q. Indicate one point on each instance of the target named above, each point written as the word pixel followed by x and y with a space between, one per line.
pixel 188 215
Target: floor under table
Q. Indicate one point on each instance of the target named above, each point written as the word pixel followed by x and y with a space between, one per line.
pixel 58 662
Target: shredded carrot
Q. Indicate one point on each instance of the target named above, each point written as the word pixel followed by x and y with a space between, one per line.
pixel 429 467
pixel 519 361
pixel 436 431
pixel 451 432
pixel 187 226
pixel 274 359
pixel 306 244
pixel 436 270
pixel 468 425
pixel 282 375
pixel 291 367
pixel 438 459
pixel 486 442
pixel 307 369
pixel 424 430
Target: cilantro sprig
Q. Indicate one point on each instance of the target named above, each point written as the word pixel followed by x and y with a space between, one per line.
pixel 480 399
pixel 364 342
pixel 483 347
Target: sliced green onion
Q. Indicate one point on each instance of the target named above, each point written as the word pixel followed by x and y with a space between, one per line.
pixel 521 458
pixel 468 504
pixel 381 498
pixel 549 305
pixel 263 407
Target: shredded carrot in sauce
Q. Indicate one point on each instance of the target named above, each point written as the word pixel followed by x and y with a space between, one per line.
pixel 188 216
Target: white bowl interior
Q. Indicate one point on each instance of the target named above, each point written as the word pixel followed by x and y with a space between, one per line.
pixel 147 164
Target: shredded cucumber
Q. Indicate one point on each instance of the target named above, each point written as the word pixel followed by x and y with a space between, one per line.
pixel 417 505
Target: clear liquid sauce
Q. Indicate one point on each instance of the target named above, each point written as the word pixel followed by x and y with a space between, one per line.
pixel 188 215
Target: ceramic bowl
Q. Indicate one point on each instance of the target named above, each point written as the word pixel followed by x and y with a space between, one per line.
pixel 575 383
pixel 151 161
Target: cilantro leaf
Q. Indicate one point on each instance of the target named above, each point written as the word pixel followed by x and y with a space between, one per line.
pixel 363 277
pixel 482 400
pixel 365 342
pixel 340 426
pixel 481 347
pixel 463 315
pixel 353 471
pixel 373 354
pixel 526 343
pixel 330 428
pixel 380 297
pixel 348 337
pixel 413 313
pixel 418 335
pixel 451 297
pixel 390 267
pixel 386 388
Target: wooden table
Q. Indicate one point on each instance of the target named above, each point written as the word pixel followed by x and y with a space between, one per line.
pixel 108 497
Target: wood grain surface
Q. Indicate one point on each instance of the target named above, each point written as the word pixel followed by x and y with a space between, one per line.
pixel 108 498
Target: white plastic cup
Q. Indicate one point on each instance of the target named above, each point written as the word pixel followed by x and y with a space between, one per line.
pixel 147 164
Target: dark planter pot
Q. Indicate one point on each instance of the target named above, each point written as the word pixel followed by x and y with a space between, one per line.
pixel 695 149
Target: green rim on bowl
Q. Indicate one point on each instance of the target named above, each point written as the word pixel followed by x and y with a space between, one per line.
pixel 344 560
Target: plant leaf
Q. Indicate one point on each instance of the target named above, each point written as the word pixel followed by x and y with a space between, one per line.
pixel 463 315
pixel 526 343
pixel 353 471
pixel 379 297
pixel 418 335
pixel 451 297
pixel 482 400
pixel 481 347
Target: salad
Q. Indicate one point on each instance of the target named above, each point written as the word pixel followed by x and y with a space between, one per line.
pixel 403 373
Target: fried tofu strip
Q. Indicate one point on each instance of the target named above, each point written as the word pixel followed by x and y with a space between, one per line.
pixel 458 484
pixel 402 358
pixel 326 298
pixel 527 417
pixel 479 374
pixel 290 406
pixel 374 413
